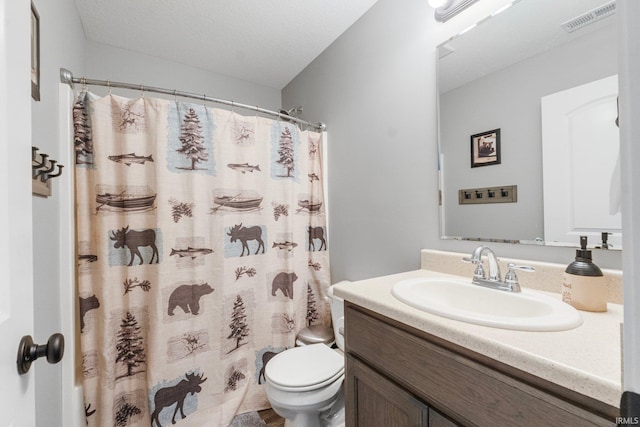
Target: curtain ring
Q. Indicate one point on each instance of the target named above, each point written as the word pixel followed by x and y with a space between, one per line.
pixel 109 86
pixel 83 81
pixel 232 105
pixel 142 90
pixel 175 96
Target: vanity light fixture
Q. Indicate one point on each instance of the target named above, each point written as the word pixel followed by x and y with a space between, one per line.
pixel 447 9
pixel 437 3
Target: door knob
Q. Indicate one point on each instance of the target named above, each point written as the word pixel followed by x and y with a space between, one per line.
pixel 29 352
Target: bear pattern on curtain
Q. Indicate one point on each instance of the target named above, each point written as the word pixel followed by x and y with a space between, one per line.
pixel 202 251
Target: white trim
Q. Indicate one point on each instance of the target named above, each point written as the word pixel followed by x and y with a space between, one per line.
pixel 629 67
pixel 72 400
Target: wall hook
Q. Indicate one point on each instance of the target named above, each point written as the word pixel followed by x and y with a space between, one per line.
pixel 37 165
pixel 53 175
pixel 42 171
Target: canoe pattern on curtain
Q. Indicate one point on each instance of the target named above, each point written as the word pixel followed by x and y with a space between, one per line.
pixel 202 251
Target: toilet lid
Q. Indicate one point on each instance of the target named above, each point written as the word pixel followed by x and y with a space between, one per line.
pixel 305 366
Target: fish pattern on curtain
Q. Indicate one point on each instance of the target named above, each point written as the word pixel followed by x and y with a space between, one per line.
pixel 202 251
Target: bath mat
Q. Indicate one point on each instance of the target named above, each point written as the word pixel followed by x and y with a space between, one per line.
pixel 248 419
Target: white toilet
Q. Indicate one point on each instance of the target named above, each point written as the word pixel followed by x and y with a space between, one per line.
pixel 304 384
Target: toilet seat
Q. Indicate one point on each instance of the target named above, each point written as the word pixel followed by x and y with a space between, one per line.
pixel 305 368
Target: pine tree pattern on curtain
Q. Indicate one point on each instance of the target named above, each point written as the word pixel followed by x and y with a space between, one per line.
pixel 202 251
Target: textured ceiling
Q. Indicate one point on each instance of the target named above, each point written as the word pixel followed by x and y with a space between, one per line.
pixel 263 41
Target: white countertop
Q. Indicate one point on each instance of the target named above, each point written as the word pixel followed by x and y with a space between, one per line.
pixel 586 359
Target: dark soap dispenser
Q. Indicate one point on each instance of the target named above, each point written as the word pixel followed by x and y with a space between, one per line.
pixel 583 285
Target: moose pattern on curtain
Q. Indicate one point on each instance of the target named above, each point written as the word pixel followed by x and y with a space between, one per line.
pixel 202 251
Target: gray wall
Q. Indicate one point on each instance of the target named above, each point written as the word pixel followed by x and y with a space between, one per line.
pixel 510 100
pixel 111 63
pixel 61 45
pixel 375 87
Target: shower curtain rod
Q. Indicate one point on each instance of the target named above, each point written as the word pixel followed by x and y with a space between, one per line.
pixel 66 76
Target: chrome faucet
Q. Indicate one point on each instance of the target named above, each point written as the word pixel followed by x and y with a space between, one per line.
pixel 494 281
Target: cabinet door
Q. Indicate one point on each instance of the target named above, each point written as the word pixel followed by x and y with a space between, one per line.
pixel 374 401
pixel 437 420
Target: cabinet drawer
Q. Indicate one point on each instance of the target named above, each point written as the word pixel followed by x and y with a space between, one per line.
pixel 463 389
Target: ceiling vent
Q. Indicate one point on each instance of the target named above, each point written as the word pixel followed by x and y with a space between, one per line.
pixel 590 17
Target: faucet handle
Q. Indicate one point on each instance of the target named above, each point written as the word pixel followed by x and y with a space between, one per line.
pixel 511 266
pixel 511 279
pixel 479 271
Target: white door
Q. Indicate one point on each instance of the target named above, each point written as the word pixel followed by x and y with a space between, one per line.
pixel 581 145
pixel 17 407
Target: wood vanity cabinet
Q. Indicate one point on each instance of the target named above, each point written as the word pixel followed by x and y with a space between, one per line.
pixel 398 376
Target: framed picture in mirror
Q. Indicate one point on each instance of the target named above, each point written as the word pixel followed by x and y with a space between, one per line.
pixel 485 148
pixel 35 53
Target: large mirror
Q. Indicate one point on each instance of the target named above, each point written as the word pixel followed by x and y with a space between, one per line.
pixel 497 83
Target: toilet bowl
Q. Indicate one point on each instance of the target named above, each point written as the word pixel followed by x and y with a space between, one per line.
pixel 305 384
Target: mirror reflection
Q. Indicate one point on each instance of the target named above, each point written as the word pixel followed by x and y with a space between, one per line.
pixel 497 83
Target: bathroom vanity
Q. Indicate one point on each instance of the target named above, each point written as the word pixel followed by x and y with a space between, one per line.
pixel 407 367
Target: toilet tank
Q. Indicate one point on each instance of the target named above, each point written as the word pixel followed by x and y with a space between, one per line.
pixel 337 316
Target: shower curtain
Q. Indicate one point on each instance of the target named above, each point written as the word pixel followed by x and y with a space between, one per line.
pixel 202 251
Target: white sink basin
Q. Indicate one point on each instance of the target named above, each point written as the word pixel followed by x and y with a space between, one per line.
pixel 461 300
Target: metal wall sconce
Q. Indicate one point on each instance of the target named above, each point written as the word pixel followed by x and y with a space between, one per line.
pixel 447 9
pixel 42 171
